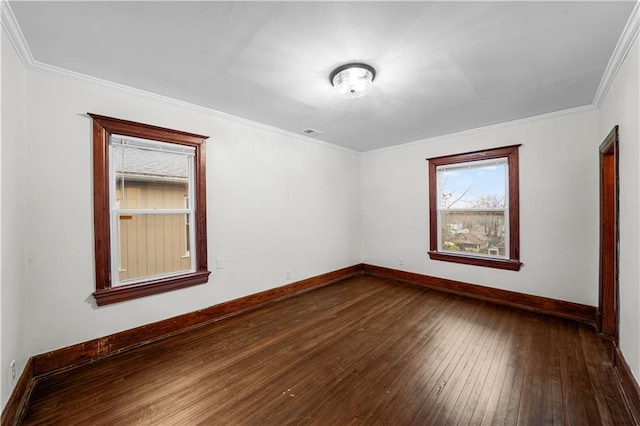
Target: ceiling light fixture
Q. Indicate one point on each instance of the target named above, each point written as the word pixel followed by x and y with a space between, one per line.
pixel 353 80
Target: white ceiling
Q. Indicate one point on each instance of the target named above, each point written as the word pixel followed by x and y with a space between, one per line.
pixel 441 67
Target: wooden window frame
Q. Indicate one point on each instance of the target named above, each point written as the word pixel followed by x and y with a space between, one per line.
pixel 103 128
pixel 513 261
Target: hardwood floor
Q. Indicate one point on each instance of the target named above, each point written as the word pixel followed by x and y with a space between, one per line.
pixel 363 351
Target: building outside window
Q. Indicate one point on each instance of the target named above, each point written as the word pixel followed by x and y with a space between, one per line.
pixel 149 183
pixel 149 209
pixel 474 208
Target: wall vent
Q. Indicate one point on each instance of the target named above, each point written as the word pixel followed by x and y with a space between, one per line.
pixel 312 132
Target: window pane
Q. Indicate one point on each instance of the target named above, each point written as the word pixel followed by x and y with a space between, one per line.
pixel 151 195
pixel 152 244
pixel 150 179
pixel 469 186
pixel 146 177
pixel 473 233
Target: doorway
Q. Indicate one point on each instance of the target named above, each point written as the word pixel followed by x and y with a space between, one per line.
pixel 609 236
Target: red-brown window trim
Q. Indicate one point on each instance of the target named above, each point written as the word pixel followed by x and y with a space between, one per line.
pixel 103 127
pixel 511 154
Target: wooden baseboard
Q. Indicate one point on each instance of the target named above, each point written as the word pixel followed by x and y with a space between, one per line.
pixel 81 353
pixel 544 305
pixel 628 384
pixel 15 408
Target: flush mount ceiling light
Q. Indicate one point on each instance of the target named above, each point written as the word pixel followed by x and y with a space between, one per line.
pixel 353 80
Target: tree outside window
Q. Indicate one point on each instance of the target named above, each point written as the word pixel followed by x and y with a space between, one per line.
pixel 474 208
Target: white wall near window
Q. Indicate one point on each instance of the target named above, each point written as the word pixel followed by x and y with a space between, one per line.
pixel 279 203
pixel 558 207
pixel 275 203
pixel 13 278
pixel 622 107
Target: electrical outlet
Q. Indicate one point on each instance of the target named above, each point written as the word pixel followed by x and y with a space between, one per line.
pixel 220 263
pixel 401 261
pixel 12 372
pixel 288 275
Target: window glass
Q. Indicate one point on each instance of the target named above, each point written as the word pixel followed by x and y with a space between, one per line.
pixel 473 214
pixel 149 209
pixel 474 208
pixel 151 181
pixel 473 185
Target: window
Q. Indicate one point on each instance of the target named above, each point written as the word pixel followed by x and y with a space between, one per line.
pixel 149 237
pixel 187 229
pixel 474 208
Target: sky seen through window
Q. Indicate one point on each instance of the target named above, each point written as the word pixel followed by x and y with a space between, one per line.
pixel 461 187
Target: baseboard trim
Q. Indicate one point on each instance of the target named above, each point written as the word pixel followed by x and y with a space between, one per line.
pixel 15 408
pixel 82 353
pixel 544 305
pixel 628 384
pixel 86 352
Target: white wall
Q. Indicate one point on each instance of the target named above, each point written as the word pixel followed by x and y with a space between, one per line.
pixel 13 225
pixel 558 203
pixel 622 107
pixel 275 203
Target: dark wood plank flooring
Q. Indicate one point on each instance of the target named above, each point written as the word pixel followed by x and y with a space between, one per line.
pixel 363 351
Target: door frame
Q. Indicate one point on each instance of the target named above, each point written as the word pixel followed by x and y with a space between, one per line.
pixel 608 315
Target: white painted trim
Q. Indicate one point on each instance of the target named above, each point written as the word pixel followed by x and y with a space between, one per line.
pixel 491 127
pixel 626 40
pixel 50 69
pixel 12 29
pixel 10 25
pixel 628 37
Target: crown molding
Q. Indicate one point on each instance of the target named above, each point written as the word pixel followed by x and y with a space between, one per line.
pixel 13 31
pixel 50 69
pixel 491 127
pixel 626 40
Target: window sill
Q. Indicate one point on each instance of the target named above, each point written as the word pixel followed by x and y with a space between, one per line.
pixel 508 264
pixel 147 288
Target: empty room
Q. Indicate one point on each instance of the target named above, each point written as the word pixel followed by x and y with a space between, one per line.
pixel 320 212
